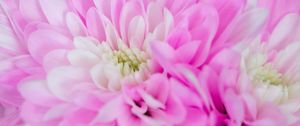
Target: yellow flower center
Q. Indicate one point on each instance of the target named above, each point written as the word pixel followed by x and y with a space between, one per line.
pixel 268 75
pixel 129 60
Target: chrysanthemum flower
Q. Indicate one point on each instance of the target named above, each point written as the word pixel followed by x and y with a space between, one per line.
pixel 273 67
pixel 98 64
pixel 123 62
pixel 263 79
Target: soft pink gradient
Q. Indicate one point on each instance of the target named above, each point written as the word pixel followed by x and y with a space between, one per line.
pixel 68 39
pixel 146 62
pixel 236 92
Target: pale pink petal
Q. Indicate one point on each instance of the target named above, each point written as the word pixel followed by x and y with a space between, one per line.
pixel 104 6
pixel 174 112
pixel 54 11
pixel 186 95
pixel 154 14
pixel 82 6
pixel 228 10
pixel 110 111
pixel 31 10
pixel 250 105
pixel 201 21
pixel 55 59
pixel 42 42
pixel 244 26
pixel 57 111
pixel 112 35
pixel 164 54
pixel 87 43
pixel 61 80
pixel 158 81
pixel 98 76
pixel 36 112
pixel 75 25
pixel 136 32
pixel 76 118
pixel 82 58
pixel 150 100
pixel 284 32
pixel 178 37
pixel 129 10
pixel 225 58
pixel 234 107
pixel 29 87
pixel 116 12
pixel 9 43
pixel 187 51
pixel 94 24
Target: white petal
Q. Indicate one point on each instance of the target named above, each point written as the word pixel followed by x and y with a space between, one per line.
pixel 82 58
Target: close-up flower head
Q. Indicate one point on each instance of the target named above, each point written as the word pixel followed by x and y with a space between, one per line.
pixel 149 63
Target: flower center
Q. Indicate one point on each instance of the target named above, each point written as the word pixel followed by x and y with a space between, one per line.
pixel 269 75
pixel 129 60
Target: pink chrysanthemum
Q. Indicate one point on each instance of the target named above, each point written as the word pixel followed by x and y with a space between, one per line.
pixel 262 78
pixel 124 62
pixel 96 55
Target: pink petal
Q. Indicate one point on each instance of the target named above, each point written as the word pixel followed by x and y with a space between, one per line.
pixel 82 6
pixel 203 31
pixel 244 26
pixel 210 78
pixel 75 25
pixel 36 112
pixel 27 64
pixel 9 42
pixel 158 81
pixel 178 37
pixel 54 11
pixel 174 112
pixel 86 96
pixel 271 111
pixel 154 14
pixel 98 76
pixel 296 123
pixel 151 101
pixel 110 111
pixel 265 122
pixel 136 32
pixel 87 43
pixel 75 118
pixel 284 32
pixel 31 10
pixel 57 111
pixel 195 117
pixel 234 107
pixel 55 59
pixel 186 95
pixel 228 10
pixel 42 42
pixel 112 35
pixel 226 58
pixel 61 80
pixel 94 24
pixel 129 10
pixel 116 8
pixel 250 105
pixel 10 96
pixel 164 54
pixel 201 20
pixel 186 52
pixel 104 6
pixel 83 58
pixel 29 87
